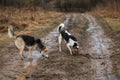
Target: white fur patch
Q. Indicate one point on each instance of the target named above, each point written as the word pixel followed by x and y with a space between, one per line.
pixel 62 25
pixel 77 46
pixel 10 32
pixel 71 42
pixel 67 32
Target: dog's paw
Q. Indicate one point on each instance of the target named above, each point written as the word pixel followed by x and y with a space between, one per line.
pixel 60 50
pixel 30 59
pixel 22 58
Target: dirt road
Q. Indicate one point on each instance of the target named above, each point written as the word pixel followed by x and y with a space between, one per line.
pixel 93 62
pixel 100 44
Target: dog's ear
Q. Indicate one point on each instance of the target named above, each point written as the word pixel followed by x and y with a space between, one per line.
pixel 46 50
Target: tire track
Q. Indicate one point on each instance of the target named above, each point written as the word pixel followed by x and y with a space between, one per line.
pixel 101 63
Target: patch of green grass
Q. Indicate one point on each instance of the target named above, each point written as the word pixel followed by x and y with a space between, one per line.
pixel 103 23
pixel 115 25
pixel 111 23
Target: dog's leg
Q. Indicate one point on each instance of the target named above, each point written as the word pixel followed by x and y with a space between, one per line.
pixel 20 45
pixel 30 51
pixel 68 46
pixel 59 41
pixel 21 52
pixel 35 47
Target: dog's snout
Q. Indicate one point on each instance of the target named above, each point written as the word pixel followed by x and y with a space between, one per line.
pixel 45 56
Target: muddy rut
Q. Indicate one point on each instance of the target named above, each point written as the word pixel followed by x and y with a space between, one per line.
pixel 99 51
pixel 63 66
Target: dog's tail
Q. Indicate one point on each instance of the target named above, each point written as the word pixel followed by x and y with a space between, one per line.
pixel 61 27
pixel 11 32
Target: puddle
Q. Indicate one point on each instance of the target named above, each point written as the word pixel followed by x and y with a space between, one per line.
pixel 36 56
pixel 51 39
pixel 101 63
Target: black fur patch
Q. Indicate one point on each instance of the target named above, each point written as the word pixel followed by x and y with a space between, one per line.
pixel 60 29
pixel 30 41
pixel 40 44
pixel 75 45
pixel 67 37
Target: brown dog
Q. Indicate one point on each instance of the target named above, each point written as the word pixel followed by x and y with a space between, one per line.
pixel 29 42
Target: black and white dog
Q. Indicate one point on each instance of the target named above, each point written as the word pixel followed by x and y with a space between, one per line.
pixel 24 41
pixel 71 41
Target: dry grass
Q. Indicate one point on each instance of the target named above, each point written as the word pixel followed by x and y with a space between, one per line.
pixel 106 12
pixel 35 22
pixel 112 17
pixel 114 23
